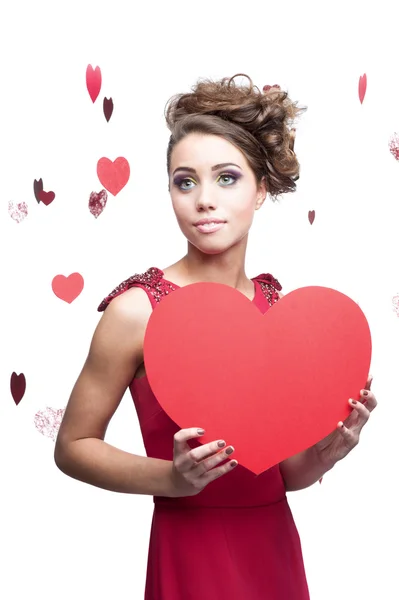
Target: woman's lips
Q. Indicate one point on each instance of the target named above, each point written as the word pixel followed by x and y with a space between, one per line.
pixel 209 227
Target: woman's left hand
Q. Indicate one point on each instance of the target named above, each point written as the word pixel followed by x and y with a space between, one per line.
pixel 346 436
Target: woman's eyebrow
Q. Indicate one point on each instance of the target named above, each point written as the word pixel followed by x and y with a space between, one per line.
pixel 219 166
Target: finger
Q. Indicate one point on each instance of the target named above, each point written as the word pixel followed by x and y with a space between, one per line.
pixel 368 399
pixel 219 471
pixel 363 415
pixel 212 462
pixel 202 452
pixel 181 438
pixel 369 382
pixel 350 438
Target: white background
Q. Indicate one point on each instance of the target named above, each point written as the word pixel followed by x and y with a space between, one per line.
pixel 61 538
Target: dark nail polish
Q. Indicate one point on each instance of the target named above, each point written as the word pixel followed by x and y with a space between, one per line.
pixel 230 450
pixel 221 444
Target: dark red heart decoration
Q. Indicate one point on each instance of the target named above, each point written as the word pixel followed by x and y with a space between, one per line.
pixel 68 288
pixel 18 387
pixel 37 188
pixel 271 385
pixel 108 108
pixel 46 197
pixel 311 216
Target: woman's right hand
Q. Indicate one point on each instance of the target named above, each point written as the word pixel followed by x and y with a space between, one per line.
pixel 193 469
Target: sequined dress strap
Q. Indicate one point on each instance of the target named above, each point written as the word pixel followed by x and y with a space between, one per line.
pixel 156 287
pixel 152 282
pixel 270 287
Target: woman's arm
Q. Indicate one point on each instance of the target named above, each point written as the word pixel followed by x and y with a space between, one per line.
pixel 114 356
pixel 303 470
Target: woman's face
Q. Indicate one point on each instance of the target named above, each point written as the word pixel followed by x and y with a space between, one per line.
pixel 214 192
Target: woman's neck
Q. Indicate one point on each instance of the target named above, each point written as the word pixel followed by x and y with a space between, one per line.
pixel 227 268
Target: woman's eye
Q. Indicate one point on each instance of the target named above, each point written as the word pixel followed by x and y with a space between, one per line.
pixel 225 177
pixel 182 184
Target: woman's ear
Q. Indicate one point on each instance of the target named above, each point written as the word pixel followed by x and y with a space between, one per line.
pixel 262 192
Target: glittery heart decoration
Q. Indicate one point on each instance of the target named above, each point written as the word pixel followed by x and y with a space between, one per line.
pixel 311 216
pixel 395 303
pixel 108 108
pixel 46 197
pixel 97 202
pixel 68 288
pixel 48 421
pixel 18 387
pixel 362 87
pixel 267 88
pixel 19 212
pixel 394 146
pixel 37 188
pixel 113 175
pixel 93 82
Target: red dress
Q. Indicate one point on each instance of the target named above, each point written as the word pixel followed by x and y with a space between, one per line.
pixel 235 540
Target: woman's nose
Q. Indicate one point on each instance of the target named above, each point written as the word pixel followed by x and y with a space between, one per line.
pixel 205 200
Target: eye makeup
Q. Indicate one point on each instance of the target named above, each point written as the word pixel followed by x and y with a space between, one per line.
pixel 179 179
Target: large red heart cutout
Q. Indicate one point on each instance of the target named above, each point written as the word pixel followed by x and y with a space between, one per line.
pixel 271 385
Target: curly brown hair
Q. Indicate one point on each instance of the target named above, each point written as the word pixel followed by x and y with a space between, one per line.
pixel 258 122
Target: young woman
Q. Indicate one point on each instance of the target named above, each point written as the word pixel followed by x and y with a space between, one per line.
pixel 218 531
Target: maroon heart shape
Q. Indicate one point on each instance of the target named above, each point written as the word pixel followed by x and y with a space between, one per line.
pixel 108 108
pixel 311 216
pixel 46 197
pixel 18 387
pixel 37 188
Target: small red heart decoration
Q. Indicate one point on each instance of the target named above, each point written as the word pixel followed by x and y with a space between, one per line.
pixel 108 108
pixel 48 421
pixel 93 82
pixel 68 288
pixel 272 385
pixel 46 197
pixel 113 175
pixel 97 202
pixel 18 212
pixel 311 216
pixel 362 87
pixel 18 387
pixel 37 188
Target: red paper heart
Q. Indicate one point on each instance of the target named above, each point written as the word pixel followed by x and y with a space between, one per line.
pixel 113 175
pixel 46 197
pixel 18 387
pixel 93 82
pixel 68 288
pixel 362 87
pixel 271 385
pixel 311 216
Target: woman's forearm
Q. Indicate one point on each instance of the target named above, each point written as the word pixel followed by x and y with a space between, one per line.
pixel 303 470
pixel 96 462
